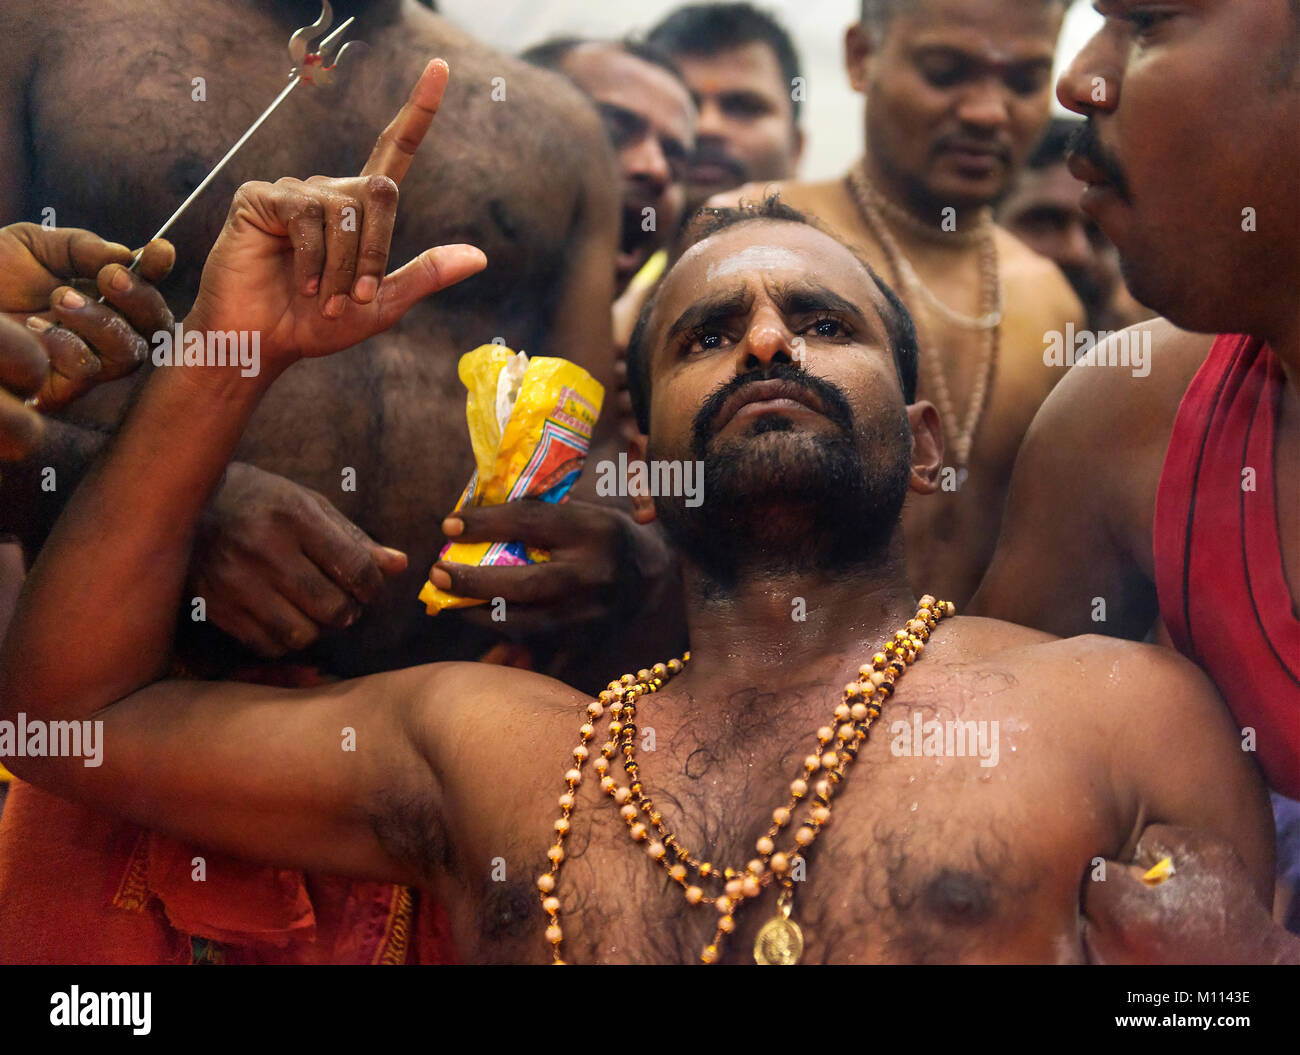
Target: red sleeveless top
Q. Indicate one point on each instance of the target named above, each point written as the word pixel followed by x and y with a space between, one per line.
pixel 1218 559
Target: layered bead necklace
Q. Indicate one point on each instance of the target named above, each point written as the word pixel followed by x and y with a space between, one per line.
pixel 959 432
pixel 780 940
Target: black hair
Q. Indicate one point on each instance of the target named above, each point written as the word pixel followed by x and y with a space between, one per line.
pixel 1054 145
pixel 708 222
pixel 550 54
pixel 877 14
pixel 706 29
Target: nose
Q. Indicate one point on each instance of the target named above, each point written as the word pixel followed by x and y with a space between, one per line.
pixel 645 161
pixel 767 342
pixel 709 124
pixel 985 106
pixel 1091 83
pixel 1076 249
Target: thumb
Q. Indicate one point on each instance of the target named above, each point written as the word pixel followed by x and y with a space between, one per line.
pixel 391 561
pixel 432 270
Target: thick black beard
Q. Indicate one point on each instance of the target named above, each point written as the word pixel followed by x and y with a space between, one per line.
pixel 795 503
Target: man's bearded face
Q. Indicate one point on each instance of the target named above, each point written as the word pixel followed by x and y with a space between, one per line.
pixel 771 364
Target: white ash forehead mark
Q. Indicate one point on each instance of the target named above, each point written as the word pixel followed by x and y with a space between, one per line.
pixel 756 258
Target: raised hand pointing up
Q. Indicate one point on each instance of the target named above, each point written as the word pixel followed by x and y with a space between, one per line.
pixel 303 262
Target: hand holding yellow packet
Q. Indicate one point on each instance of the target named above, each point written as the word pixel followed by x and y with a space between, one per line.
pixel 530 424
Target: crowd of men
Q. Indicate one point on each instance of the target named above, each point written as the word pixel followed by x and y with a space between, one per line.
pixel 999 434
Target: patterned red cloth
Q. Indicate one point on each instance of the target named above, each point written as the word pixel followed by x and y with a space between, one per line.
pixel 80 886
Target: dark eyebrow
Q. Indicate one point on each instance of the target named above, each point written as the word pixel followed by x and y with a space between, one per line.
pixel 804 299
pixel 718 308
pixel 948 51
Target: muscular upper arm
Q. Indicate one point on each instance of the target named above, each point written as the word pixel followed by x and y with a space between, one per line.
pixel 1074 554
pixel 1057 552
pixel 1178 748
pixel 299 778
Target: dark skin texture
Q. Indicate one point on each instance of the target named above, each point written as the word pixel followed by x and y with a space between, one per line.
pixel 650 168
pixel 746 129
pixel 945 73
pixel 50 354
pixel 957 868
pixel 281 563
pixel 1183 252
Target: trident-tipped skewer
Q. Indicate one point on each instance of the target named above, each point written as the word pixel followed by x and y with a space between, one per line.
pixel 315 67
pixel 310 66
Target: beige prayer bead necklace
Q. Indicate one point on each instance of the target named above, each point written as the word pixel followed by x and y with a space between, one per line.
pixel 959 433
pixel 780 940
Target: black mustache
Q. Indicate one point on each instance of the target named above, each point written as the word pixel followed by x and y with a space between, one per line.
pixel 834 402
pixel 707 155
pixel 1084 143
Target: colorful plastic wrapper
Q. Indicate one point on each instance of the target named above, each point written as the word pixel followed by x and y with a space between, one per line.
pixel 530 424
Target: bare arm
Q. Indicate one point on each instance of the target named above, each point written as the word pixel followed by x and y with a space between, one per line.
pixel 256 771
pixel 1184 755
pixel 1197 799
pixel 1074 556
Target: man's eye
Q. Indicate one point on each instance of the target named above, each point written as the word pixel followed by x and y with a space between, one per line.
pixel 828 328
pixel 743 107
pixel 1027 82
pixel 943 76
pixel 703 341
pixel 1146 23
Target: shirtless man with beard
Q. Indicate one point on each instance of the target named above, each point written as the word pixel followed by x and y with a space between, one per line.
pixel 929 858
pixel 287 556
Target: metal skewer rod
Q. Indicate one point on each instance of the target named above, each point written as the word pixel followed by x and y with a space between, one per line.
pixel 284 94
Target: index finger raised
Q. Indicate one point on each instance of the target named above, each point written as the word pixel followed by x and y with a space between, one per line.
pixel 396 146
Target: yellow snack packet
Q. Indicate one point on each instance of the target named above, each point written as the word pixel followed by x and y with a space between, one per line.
pixel 530 425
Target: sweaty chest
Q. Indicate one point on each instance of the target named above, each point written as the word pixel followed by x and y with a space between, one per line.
pixel 930 855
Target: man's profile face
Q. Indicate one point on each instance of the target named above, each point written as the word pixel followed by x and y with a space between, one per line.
pixel 958 92
pixel 769 360
pixel 1192 114
pixel 1043 211
pixel 746 127
pixel 650 119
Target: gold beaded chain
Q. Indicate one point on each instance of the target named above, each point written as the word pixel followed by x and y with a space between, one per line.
pixel 779 941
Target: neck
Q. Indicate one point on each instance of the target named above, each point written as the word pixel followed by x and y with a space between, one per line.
pixel 925 216
pixel 779 628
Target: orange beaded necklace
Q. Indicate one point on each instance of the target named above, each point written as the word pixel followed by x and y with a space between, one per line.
pixel 780 940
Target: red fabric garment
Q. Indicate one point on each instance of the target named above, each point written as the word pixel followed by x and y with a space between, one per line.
pixel 78 886
pixel 1218 559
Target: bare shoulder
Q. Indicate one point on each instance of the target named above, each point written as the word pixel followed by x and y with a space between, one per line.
pixel 1112 680
pixel 486 692
pixel 1034 285
pixel 1129 406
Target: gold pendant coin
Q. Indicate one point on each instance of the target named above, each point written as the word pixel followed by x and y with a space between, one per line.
pixel 779 941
